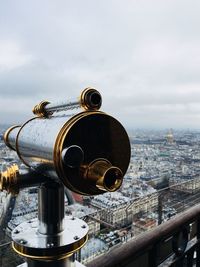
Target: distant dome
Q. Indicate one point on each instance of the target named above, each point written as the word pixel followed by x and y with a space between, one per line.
pixel 170 137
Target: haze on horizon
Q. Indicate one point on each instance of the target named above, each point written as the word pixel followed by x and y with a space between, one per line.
pixel 143 56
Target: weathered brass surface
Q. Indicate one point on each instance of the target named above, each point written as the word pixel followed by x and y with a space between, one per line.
pixel 9 180
pixel 39 109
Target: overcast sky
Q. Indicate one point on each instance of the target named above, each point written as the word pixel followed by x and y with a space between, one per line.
pixel 142 55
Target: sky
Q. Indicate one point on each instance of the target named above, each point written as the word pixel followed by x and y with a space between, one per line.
pixel 142 55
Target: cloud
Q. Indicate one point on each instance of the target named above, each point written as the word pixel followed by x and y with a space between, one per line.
pixel 12 56
pixel 142 55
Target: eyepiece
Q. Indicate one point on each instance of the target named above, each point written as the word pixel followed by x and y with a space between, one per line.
pixel 106 177
pixel 112 179
pixel 91 99
pixel 95 99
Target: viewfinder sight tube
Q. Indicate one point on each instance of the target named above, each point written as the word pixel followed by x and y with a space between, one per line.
pixel 90 99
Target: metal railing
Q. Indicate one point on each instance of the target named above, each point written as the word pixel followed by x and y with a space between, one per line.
pixel 174 243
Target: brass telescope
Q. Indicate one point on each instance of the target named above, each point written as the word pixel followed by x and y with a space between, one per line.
pixel 88 153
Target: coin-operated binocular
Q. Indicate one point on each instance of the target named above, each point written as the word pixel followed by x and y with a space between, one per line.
pixel 88 152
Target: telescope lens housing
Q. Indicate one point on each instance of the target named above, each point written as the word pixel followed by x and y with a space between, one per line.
pixel 89 152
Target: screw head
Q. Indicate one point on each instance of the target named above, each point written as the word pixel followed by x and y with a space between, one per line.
pixel 50 245
pixel 76 237
pixel 23 242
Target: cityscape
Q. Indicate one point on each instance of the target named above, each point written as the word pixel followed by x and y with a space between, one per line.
pixel 162 180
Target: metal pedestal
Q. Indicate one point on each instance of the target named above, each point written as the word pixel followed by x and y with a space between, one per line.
pixel 52 239
pixel 53 264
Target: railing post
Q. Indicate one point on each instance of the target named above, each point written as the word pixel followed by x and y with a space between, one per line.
pixel 153 257
pixel 190 258
pixel 198 243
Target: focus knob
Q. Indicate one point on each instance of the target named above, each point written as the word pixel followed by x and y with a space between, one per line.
pixel 73 156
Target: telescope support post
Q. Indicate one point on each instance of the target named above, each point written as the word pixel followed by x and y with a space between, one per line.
pixel 51 208
pixel 52 239
pixel 68 262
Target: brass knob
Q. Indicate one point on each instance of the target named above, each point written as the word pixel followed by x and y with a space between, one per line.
pixel 9 178
pixel 73 156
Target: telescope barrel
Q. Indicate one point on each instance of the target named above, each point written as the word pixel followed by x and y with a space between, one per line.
pixel 89 152
pixel 90 99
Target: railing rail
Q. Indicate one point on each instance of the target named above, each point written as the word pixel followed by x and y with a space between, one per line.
pixel 174 243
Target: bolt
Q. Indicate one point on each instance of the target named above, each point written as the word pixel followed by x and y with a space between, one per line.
pixel 72 218
pixel 16 231
pixel 76 237
pixel 23 242
pixel 50 245
pixel 83 226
